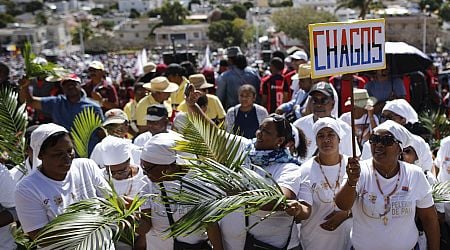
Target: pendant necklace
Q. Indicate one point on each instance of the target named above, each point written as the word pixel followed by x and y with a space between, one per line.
pixel 387 198
pixel 337 184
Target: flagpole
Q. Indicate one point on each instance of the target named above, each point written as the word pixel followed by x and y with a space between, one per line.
pixel 352 118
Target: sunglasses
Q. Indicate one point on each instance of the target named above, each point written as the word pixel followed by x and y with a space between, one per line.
pixel 390 117
pixel 321 101
pixel 408 150
pixel 386 140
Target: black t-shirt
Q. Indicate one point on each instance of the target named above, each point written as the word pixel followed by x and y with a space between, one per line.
pixel 246 123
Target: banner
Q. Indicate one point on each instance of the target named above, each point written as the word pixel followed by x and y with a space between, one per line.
pixel 347 47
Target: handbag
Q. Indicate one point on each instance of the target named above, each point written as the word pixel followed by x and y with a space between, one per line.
pixel 179 245
pixel 251 243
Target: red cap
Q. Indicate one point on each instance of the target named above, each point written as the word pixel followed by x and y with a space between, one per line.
pixel 71 77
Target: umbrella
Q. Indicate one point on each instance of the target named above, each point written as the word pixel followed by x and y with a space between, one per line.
pixel 403 58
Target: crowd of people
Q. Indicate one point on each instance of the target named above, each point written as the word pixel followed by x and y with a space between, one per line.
pixel 375 195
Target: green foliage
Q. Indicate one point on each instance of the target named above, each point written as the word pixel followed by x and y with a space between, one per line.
pixel 294 21
pixel 432 5
pixel 248 5
pixel 362 5
pixel 34 69
pixel 173 13
pixel 227 33
pixel 41 19
pixel 11 7
pixel 107 25
pixel 5 19
pixel 441 192
pixel 228 14
pixel 94 223
pixel 134 13
pixel 240 10
pixel 87 32
pixel 33 6
pixel 13 121
pixel 84 124
pixel 154 12
pixel 444 11
pixel 98 11
pixel 438 124
pixel 287 3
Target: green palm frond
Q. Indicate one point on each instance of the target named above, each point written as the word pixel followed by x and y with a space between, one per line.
pixel 208 141
pixel 84 124
pixel 95 223
pixel 441 192
pixel 13 121
pixel 214 191
pixel 438 124
pixel 34 69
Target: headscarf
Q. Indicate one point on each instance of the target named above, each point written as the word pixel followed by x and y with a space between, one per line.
pixel 425 160
pixel 402 108
pixel 115 150
pixel 398 131
pixel 327 122
pixel 159 149
pixel 443 152
pixel 39 136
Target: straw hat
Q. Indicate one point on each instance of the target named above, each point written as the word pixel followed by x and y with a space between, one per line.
pixel 161 84
pixel 199 81
pixel 303 72
pixel 361 99
pixel 149 67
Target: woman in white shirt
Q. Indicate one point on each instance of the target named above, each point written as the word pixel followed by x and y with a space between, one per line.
pixel 327 227
pixel 385 195
pixel 58 182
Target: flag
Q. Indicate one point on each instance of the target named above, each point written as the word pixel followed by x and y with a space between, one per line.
pixel 140 62
pixel 206 62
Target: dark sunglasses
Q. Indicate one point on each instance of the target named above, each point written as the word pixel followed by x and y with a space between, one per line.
pixel 321 101
pixel 389 117
pixel 386 140
pixel 408 150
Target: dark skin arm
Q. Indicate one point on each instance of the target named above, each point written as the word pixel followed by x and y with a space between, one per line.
pixel 215 236
pixel 347 194
pixel 6 218
pixel 429 219
pixel 25 95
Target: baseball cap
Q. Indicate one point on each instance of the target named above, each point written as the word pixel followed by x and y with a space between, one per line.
pixel 322 87
pixel 156 112
pixel 115 116
pixel 71 77
pixel 300 55
pixel 233 51
pixel 96 65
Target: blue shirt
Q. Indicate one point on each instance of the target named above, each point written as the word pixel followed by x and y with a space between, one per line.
pixel 229 82
pixel 63 112
pixel 387 89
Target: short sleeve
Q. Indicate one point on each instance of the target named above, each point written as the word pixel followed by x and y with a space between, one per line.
pixel 305 192
pixel 32 215
pixel 7 187
pixel 289 177
pixel 141 112
pixel 49 103
pixel 424 196
pixel 399 88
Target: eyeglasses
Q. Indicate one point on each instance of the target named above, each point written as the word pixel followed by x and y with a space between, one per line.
pixel 386 140
pixel 408 150
pixel 321 101
pixel 119 172
pixel 147 166
pixel 390 117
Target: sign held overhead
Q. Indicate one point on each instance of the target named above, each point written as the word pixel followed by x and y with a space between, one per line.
pixel 347 47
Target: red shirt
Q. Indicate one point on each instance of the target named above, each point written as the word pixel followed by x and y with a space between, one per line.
pixel 344 88
pixel 274 87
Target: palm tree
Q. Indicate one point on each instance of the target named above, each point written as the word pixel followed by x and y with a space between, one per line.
pixel 362 5
pixel 84 125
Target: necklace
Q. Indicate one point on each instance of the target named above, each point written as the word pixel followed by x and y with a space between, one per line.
pixel 387 198
pixel 328 182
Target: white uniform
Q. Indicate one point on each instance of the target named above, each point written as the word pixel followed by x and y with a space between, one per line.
pixel 400 231
pixel 312 235
pixel 275 229
pixel 7 187
pixel 345 146
pixel 40 199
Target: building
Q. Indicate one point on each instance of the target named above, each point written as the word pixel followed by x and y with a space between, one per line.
pixel 58 36
pixel 411 28
pixel 139 5
pixel 328 5
pixel 184 36
pixel 18 34
pixel 135 32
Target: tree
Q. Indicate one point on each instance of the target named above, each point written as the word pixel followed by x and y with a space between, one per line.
pixel 248 5
pixel 107 25
pixel 226 32
pixel 33 6
pixel 98 11
pixel 87 32
pixel 362 5
pixel 294 21
pixel 173 13
pixel 240 10
pixel 430 5
pixel 134 13
pixel 5 19
pixel 41 18
pixel 154 12
pixel 228 14
pixel 444 12
pixel 287 3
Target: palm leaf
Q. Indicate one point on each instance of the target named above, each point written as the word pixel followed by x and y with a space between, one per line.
pixel 95 223
pixel 214 190
pixel 84 124
pixel 441 192
pixel 438 124
pixel 34 69
pixel 13 121
pixel 207 141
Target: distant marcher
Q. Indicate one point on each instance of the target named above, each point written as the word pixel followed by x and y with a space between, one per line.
pixel 274 91
pixel 176 74
pixel 130 108
pixel 99 89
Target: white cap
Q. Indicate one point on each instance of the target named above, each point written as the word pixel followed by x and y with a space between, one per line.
pixel 39 135
pixel 327 122
pixel 158 150
pixel 115 150
pixel 402 108
pixel 299 55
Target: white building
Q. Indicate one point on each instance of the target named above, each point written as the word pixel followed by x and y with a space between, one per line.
pixel 192 35
pixel 58 36
pixel 140 5
pixel 328 5
pixel 18 34
pixel 135 32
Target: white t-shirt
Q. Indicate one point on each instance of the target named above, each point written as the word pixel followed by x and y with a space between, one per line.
pixel 312 235
pixel 96 154
pixel 400 232
pixel 442 160
pixel 345 146
pixel 275 229
pixel 40 199
pixel 7 187
pixel 160 221
pixel 18 175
